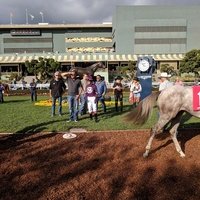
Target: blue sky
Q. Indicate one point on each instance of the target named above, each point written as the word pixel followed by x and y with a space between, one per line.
pixel 70 11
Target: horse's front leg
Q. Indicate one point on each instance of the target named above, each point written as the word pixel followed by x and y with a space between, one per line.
pixel 177 145
pixel 148 147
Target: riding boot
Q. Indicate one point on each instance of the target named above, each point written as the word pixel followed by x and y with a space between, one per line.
pixel 95 118
pixel 116 107
pixel 121 106
pixel 91 117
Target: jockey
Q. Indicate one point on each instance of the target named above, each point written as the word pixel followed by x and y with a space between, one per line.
pixel 91 94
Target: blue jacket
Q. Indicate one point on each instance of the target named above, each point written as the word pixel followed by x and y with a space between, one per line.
pixel 101 88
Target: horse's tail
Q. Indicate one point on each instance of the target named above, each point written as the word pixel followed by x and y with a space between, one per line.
pixel 141 113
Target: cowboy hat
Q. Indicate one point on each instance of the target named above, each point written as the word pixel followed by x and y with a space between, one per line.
pixel 164 75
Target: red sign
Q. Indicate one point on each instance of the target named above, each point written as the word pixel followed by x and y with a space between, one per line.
pixel 196 98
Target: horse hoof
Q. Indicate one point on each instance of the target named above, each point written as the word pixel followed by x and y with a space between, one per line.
pixel 182 155
pixel 145 155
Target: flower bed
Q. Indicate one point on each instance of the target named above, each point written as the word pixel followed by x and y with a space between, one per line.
pixel 49 103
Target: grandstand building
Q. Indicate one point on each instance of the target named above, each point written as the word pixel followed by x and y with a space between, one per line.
pixel 164 32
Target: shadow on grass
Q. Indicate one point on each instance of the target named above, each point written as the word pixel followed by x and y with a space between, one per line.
pixel 111 112
pixel 16 101
pixel 18 137
pixel 36 128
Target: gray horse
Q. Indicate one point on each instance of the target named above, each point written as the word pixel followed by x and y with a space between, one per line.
pixel 172 103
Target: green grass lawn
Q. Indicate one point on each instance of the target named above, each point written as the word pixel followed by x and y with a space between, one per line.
pixel 19 114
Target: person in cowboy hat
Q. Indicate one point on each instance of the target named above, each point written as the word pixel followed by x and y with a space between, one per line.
pixel 164 82
pixel 118 93
pixel 91 95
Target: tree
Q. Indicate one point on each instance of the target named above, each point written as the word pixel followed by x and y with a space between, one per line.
pixel 169 69
pixel 31 66
pixel 128 72
pixel 191 62
pixel 43 68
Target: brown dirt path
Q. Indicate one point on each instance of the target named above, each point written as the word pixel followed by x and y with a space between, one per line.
pixel 99 166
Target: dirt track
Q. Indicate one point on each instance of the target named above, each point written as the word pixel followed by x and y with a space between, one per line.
pixel 99 166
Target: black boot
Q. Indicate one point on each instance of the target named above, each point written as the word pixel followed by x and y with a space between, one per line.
pixel 116 107
pixel 95 117
pixel 91 117
pixel 121 106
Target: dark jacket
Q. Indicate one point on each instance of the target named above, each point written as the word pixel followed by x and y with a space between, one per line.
pixel 57 88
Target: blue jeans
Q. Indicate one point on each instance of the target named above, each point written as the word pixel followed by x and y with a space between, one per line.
pixel 54 105
pixel 1 97
pixel 33 95
pixel 73 108
pixel 102 100
pixel 83 106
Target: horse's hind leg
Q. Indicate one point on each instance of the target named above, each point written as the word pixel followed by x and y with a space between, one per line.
pixel 173 131
pixel 156 129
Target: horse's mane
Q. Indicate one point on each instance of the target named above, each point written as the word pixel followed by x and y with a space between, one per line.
pixel 141 113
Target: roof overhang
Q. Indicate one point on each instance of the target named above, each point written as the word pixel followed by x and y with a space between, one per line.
pixel 52 26
pixel 21 58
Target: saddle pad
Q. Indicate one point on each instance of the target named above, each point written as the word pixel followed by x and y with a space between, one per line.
pixel 196 98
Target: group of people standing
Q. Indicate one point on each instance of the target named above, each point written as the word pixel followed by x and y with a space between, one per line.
pixel 84 92
pixel 134 96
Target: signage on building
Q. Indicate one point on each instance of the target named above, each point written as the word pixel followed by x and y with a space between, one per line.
pixel 28 32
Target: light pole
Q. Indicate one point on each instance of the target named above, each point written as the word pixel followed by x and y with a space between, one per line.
pixel 26 16
pixel 42 15
pixel 11 18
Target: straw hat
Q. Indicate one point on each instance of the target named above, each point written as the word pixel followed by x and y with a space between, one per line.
pixel 164 75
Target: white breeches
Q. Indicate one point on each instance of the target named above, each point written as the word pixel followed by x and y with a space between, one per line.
pixel 92 105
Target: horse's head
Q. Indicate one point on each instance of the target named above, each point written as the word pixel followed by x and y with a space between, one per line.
pixel 96 66
pixel 101 65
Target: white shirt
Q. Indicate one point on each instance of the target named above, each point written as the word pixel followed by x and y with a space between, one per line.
pixel 135 88
pixel 165 84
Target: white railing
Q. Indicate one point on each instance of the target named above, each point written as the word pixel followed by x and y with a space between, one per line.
pixel 109 85
pixel 27 86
